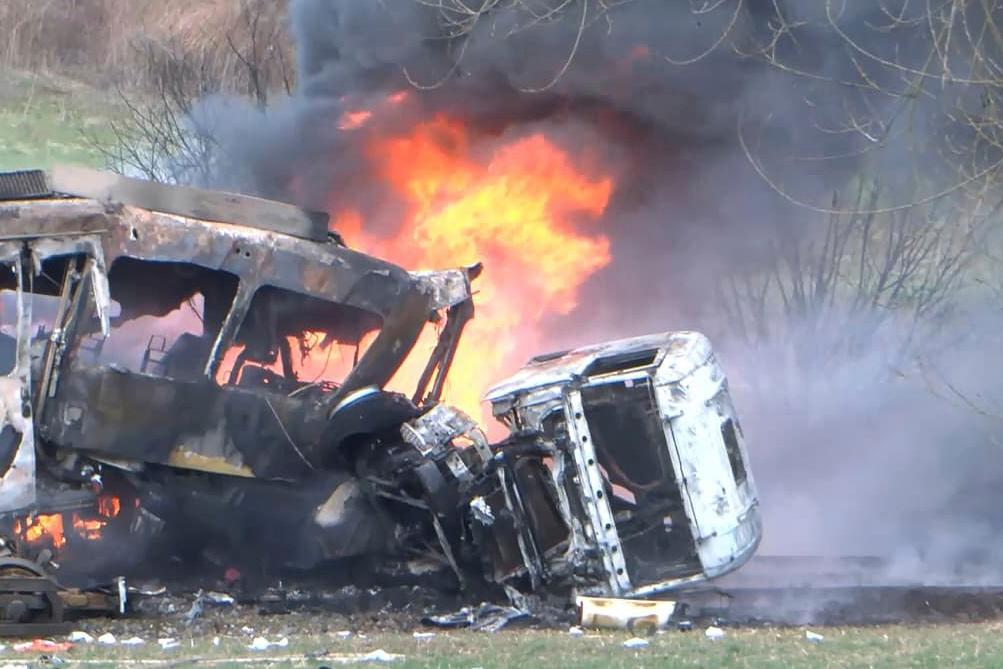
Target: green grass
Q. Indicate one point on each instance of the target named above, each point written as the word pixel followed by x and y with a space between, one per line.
pixel 960 645
pixel 46 120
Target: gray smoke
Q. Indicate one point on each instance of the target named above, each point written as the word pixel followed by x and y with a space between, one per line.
pixel 862 450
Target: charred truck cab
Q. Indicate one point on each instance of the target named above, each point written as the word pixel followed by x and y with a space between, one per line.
pixel 648 461
pixel 152 344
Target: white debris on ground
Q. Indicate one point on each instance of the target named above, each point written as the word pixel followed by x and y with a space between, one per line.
pixel 379 655
pixel 80 637
pixel 261 643
pixel 576 631
pixel 714 633
pixel 219 598
pixel 344 634
pixel 168 643
pixel 814 637
pixel 108 639
pixel 636 642
pixel 133 641
pixel 423 636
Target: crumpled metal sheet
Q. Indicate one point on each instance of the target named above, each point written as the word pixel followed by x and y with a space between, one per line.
pixel 484 618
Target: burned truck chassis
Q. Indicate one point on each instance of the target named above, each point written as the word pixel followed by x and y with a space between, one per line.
pixel 312 472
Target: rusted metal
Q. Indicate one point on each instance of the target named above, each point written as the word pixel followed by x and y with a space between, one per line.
pixel 33 603
pixel 185 201
pixel 23 184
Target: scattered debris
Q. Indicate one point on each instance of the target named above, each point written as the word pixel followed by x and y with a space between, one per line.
pixel 481 512
pixel 80 637
pixel 195 612
pixel 576 631
pixel 485 618
pixel 133 641
pixel 167 608
pixel 108 639
pixel 148 589
pixel 42 646
pixel 636 642
pixel 343 634
pixel 202 598
pixel 714 633
pixel 685 626
pixel 814 637
pixel 219 598
pixel 462 618
pixel 497 617
pixel 168 643
pixel 631 614
pixel 379 655
pixel 424 636
pixel 261 643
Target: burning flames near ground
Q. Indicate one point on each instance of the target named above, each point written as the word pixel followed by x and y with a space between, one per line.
pixel 49 530
pixel 523 207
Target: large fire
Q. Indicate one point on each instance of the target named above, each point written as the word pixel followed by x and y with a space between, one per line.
pixel 521 207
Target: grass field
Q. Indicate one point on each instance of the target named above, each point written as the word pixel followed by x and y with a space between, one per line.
pixel 46 120
pixel 955 645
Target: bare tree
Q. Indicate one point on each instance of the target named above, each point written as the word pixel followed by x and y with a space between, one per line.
pixel 827 291
pixel 160 136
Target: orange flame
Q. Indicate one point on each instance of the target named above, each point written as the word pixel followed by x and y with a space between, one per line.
pixel 41 528
pixel 351 120
pixel 354 119
pixel 524 209
pixel 109 506
pixel 88 529
pixel 50 527
pixel 322 361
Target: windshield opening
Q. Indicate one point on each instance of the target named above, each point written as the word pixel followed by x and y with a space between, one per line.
pixel 165 317
pixel 291 342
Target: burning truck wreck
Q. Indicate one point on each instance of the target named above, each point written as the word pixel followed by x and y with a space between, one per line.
pixel 152 340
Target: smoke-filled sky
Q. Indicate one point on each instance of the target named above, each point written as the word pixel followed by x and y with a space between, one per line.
pixel 857 454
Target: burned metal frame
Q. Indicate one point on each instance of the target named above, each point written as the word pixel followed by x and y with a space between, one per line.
pixel 258 258
pixel 451 290
pixel 545 399
pixel 17 483
pixel 104 232
pixel 358 470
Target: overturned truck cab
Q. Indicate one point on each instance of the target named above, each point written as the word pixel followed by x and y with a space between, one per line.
pixel 647 459
pixel 154 343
